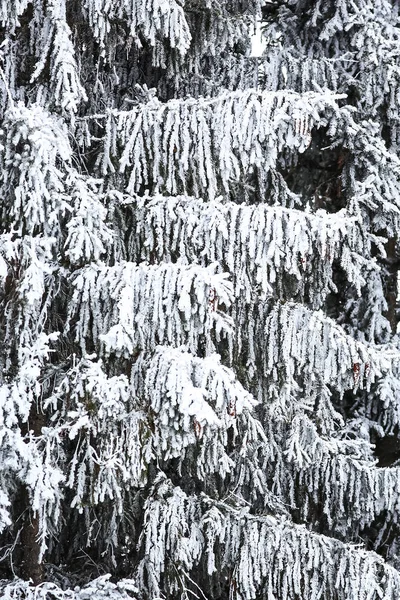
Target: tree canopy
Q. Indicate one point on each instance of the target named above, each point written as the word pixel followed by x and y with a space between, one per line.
pixel 200 364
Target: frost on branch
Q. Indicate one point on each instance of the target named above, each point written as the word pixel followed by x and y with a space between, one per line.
pixel 29 259
pixel 328 479
pixel 30 459
pixel 259 245
pixel 260 556
pixel 284 69
pixel 199 147
pixel 10 13
pixel 89 238
pixel 43 478
pixel 56 52
pixel 366 40
pixel 296 346
pixel 32 208
pixel 109 429
pixel 40 188
pixel 367 313
pixel 100 588
pixel 25 388
pixel 375 194
pixel 133 307
pixel 152 19
pixel 382 405
pixel 195 401
pixel 217 32
pixel 33 147
pixel 40 192
pixel 175 404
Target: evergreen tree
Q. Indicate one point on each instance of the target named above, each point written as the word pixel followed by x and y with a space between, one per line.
pixel 200 377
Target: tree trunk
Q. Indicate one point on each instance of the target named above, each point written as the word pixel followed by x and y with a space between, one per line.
pixel 392 266
pixel 30 566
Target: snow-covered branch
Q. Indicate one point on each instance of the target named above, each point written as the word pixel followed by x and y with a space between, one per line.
pixel 199 146
pixel 262 555
pixel 133 307
pixel 148 18
pixel 257 244
pixel 297 342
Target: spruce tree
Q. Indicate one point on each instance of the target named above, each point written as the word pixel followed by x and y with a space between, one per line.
pixel 200 379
